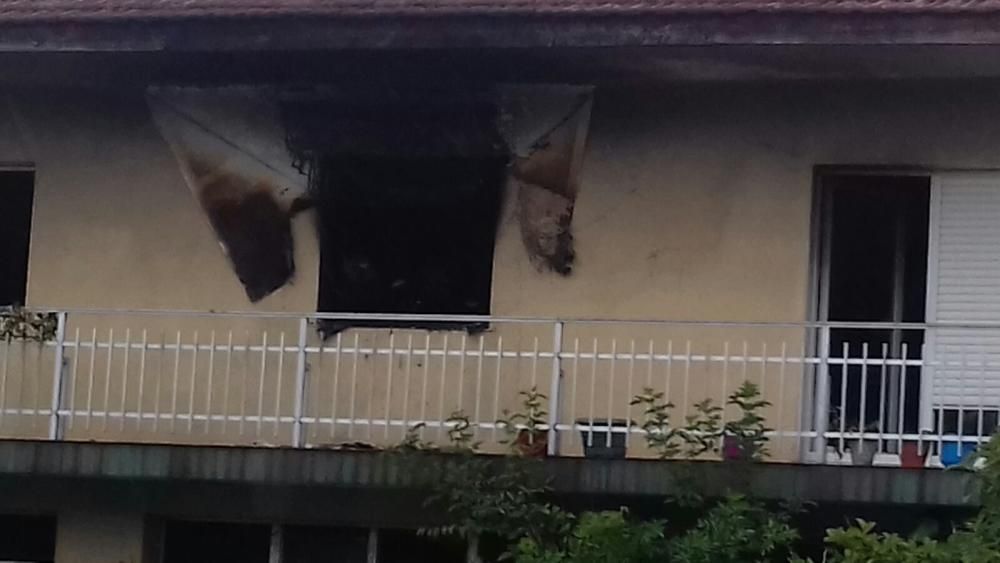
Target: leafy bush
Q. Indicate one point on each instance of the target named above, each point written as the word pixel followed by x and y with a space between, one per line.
pixel 602 537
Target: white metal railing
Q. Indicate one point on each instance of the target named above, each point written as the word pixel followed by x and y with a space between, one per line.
pixel 839 392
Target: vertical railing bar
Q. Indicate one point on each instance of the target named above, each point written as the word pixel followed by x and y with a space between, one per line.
pixel 725 380
pixel 336 382
pixel 555 387
pixel 461 372
pixel 611 390
pixel 425 379
pixel 961 399
pixel 227 378
pixel 125 362
pixel 72 384
pixel 534 378
pixel 107 383
pixel 883 369
pixel 354 386
pixel 3 378
pixel 479 387
pixel 260 387
pixel 301 381
pixel 744 364
pixel 444 381
pixel 575 393
pixel 982 392
pixel 821 405
pixel 628 394
pixel 55 432
pixel 211 383
pixel 864 392
pixel 20 400
pixel 800 411
pixel 246 382
pixel 194 380
pixel 670 370
pixel 388 383
pixel 903 372
pixel 142 378
pixel 276 428
pixel 593 397
pixel 763 368
pixel 687 380
pixel 159 381
pixel 39 408
pixel 844 372
pixel 408 373
pixel 782 364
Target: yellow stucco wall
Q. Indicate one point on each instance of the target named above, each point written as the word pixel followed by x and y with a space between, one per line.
pixel 695 204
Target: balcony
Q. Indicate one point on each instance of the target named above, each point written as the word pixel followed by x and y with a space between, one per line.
pixel 921 394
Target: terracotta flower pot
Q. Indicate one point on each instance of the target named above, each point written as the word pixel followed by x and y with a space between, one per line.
pixel 911 457
pixel 532 444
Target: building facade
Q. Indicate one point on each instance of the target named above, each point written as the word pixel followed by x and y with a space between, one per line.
pixel 256 230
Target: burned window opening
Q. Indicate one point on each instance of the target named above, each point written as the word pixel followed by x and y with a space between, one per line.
pixel 408 235
pixel 408 195
pixel 17 191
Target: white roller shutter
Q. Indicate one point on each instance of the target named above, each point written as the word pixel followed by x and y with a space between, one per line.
pixel 963 287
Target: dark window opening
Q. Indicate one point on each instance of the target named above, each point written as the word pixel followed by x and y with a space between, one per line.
pixel 875 270
pixel 200 542
pixel 407 546
pixel 17 192
pixel 407 186
pixel 28 539
pixel 309 544
pixel 408 235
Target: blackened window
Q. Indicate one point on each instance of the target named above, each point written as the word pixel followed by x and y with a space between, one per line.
pixel 17 193
pixel 408 235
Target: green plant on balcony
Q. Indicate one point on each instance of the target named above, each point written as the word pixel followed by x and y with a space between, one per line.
pixel 699 434
pixel 526 429
pixel 745 438
pixel 17 323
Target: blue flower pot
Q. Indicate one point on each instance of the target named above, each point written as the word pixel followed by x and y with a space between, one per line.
pixel 953 453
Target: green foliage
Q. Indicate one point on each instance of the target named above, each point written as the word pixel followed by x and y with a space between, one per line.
pixel 20 324
pixel 504 497
pixel 526 424
pixel 703 429
pixel 604 537
pixel 660 437
pixel 736 530
pixel 749 430
pixel 976 542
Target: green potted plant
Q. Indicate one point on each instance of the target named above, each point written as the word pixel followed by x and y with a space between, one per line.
pixel 745 438
pixel 527 429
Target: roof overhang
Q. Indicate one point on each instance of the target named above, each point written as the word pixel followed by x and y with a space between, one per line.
pixel 515 31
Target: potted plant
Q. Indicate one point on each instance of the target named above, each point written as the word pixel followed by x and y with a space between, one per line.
pixel 745 438
pixel 527 429
pixel 914 454
pixel 597 444
pixel 863 449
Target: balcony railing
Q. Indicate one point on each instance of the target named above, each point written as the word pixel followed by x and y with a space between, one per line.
pixel 837 392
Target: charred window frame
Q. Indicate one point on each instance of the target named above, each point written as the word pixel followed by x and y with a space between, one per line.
pixel 17 192
pixel 408 196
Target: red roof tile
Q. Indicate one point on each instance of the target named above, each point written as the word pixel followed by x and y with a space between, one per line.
pixel 62 10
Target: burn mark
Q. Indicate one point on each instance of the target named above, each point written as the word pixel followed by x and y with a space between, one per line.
pixel 253 228
pixel 547 190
